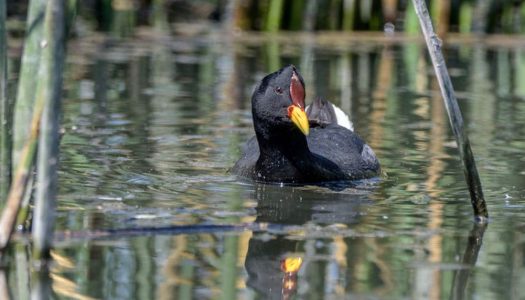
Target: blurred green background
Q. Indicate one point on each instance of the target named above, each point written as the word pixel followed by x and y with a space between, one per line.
pixel 465 16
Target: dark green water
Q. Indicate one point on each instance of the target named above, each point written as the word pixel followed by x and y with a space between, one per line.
pixel 153 126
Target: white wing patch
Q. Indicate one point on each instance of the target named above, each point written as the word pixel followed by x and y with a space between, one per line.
pixel 342 118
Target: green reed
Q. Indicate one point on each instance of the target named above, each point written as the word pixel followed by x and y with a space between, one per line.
pixel 5 124
pixel 49 92
pixel 25 100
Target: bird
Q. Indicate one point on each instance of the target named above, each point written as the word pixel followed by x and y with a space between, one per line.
pixel 290 146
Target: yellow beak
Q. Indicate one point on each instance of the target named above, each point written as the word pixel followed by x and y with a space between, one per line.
pixel 299 118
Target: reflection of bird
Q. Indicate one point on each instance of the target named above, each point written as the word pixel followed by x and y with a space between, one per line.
pixel 291 148
pixel 273 258
pixel 263 265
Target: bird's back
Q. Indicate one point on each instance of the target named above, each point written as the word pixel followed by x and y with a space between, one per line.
pixel 344 148
pixel 338 154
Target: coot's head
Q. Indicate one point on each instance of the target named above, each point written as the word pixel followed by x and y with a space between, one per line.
pixel 278 103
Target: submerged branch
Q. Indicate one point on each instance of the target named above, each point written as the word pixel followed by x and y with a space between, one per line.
pixel 454 113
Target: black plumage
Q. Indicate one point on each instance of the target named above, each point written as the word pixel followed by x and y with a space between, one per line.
pixel 284 151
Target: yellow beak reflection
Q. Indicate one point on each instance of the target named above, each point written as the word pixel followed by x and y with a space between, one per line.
pixel 291 264
pixel 299 118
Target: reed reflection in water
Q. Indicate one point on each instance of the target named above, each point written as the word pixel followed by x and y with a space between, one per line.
pixel 152 127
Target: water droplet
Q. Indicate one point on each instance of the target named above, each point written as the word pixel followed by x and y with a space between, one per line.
pixel 389 29
pixel 385 217
pixel 43 44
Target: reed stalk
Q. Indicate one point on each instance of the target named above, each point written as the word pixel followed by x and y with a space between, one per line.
pixel 4 286
pixel 21 269
pixel 49 93
pixel 310 15
pixel 465 17
pixel 454 113
pixel 22 219
pixel 123 18
pixel 333 14
pixel 480 15
pixel 389 10
pixel 433 8
pixel 272 55
pixel 297 13
pixel 24 212
pixel 376 19
pixel 19 184
pixel 25 100
pixel 187 272
pixel 348 14
pixel 521 12
pixel 410 26
pixel 275 12
pixel 41 284
pixel 5 111
pixel 365 12
pixel 71 15
pixel 228 266
pixel 443 16
pixel 469 259
pixel 159 16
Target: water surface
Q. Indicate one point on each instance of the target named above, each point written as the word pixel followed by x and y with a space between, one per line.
pixel 152 126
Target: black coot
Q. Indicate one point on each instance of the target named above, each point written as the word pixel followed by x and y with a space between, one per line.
pixel 290 148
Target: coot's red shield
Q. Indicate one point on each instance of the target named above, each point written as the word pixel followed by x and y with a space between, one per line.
pixel 297 91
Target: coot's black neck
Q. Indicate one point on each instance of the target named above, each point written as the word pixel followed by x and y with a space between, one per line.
pixel 289 147
pixel 289 143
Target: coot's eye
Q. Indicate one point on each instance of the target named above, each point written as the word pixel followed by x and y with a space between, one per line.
pixel 278 90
